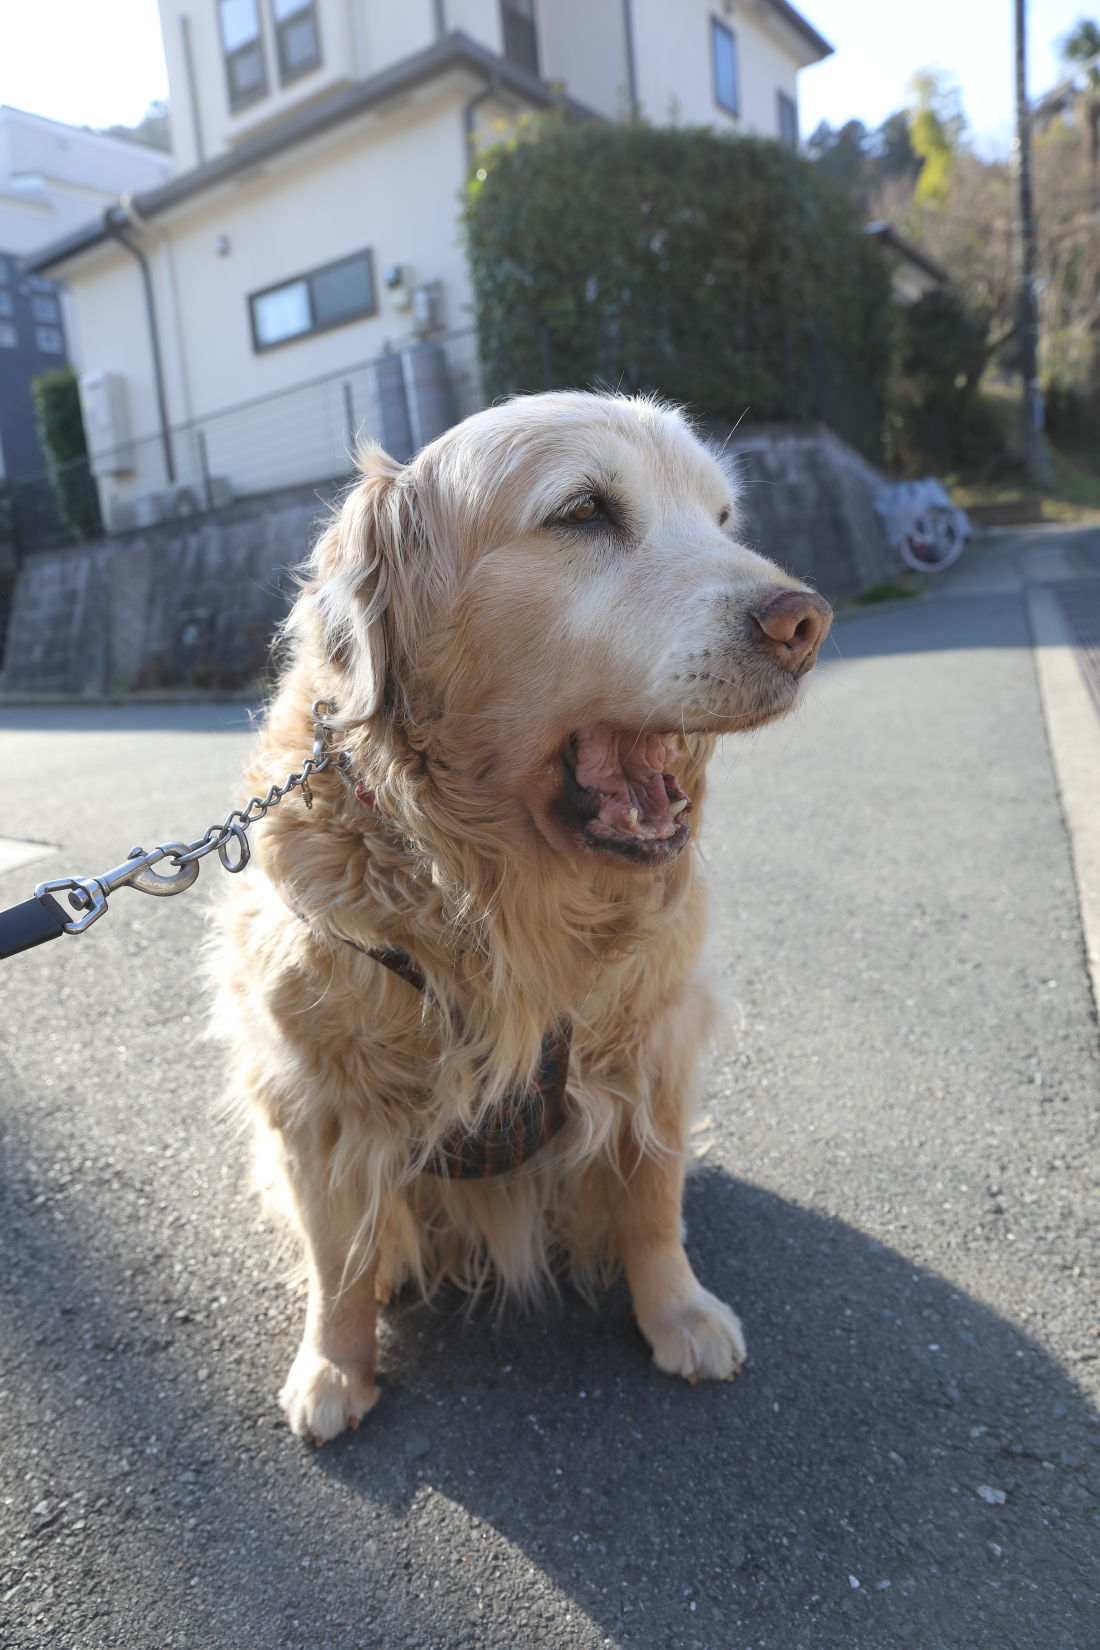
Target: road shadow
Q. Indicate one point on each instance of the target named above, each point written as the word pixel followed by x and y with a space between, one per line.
pixel 896 1462
pixel 896 1466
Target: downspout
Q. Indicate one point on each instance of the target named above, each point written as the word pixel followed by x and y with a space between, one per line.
pixel 114 228
pixel 469 112
pixel 631 63
pixel 173 329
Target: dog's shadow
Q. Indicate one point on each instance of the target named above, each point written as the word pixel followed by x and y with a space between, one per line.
pixel 893 1457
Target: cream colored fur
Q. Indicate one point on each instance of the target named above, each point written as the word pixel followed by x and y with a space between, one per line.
pixel 463 634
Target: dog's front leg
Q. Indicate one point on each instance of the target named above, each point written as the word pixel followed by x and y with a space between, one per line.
pixel 691 1331
pixel 331 1381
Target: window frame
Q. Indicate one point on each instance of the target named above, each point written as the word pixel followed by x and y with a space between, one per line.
pixel 238 102
pixel 366 254
pixel 521 17
pixel 287 74
pixel 720 31
pixel 785 102
pixel 54 332
pixel 52 315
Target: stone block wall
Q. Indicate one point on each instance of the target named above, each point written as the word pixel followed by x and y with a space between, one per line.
pixel 194 603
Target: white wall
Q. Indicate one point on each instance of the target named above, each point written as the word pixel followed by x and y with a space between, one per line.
pixel 388 184
pixel 675 73
pixel 582 43
pixel 480 19
pixel 221 128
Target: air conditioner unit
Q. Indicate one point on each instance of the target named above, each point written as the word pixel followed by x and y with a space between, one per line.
pixel 106 407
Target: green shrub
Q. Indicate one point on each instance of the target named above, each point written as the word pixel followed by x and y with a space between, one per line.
pixel 61 432
pixel 724 272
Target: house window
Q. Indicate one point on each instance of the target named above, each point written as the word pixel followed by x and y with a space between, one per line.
pixel 297 41
pixel 326 297
pixel 723 46
pixel 245 74
pixel 8 335
pixel 521 45
pixel 6 307
pixel 788 120
pixel 44 309
pixel 49 340
pixel 5 271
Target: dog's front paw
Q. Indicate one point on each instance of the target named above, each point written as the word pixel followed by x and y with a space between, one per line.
pixel 697 1337
pixel 321 1398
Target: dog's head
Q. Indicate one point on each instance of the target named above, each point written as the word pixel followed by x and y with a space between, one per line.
pixel 549 606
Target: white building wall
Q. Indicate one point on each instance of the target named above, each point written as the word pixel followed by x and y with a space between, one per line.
pixel 480 19
pixel 675 68
pixel 582 44
pixel 206 88
pixel 390 32
pixel 388 185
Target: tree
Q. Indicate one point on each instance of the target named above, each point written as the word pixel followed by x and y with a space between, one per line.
pixel 936 127
pixel 1081 49
pixel 153 130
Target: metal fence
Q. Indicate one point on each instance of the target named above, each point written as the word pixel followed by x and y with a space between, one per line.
pixel 305 435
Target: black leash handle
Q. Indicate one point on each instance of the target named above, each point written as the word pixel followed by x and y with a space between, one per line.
pixel 32 923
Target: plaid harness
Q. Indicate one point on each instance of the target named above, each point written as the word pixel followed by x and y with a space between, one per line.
pixel 525 1119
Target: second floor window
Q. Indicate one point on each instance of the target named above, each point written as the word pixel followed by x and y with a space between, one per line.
pixel 521 44
pixel 244 52
pixel 723 46
pixel 296 37
pixel 788 120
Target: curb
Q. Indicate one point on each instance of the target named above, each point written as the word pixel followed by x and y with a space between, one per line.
pixel 1073 734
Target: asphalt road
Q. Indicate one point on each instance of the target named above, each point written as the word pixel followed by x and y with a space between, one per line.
pixel 898 1198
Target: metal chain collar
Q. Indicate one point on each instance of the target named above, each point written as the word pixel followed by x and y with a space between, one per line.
pixel 228 840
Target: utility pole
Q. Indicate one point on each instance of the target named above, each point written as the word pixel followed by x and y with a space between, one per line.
pixel 1036 457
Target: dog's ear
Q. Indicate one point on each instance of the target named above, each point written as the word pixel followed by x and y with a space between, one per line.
pixel 368 587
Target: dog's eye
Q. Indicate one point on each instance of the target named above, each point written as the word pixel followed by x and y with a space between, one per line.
pixel 585 509
pixel 723 516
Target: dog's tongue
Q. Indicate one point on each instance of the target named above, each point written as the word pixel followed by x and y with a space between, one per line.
pixel 628 772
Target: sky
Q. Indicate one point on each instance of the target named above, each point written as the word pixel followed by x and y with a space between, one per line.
pixel 99 62
pixel 881 43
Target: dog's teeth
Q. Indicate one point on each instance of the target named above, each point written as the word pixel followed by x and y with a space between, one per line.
pixel 632 819
pixel 675 808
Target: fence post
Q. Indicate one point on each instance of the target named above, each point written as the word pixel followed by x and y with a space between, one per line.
pixel 349 412
pixel 204 468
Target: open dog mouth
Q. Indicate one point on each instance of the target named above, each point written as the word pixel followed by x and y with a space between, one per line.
pixel 620 792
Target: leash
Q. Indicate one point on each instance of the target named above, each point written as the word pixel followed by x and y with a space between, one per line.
pixel 44 918
pixel 526 1119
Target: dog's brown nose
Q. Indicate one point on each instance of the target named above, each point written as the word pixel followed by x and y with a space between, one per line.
pixel 793 624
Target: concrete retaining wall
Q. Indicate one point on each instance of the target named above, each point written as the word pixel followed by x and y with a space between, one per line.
pixel 193 604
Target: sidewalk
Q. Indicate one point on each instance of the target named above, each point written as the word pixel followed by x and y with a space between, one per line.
pixel 1057 572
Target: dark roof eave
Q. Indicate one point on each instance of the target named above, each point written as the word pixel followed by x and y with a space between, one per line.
pixel 886 233
pixel 454 51
pixel 800 25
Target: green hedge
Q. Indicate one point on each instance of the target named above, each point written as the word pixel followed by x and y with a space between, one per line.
pixel 938 419
pixel 60 427
pixel 724 272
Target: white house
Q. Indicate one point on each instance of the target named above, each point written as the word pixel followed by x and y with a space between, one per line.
pixel 53 178
pixel 236 318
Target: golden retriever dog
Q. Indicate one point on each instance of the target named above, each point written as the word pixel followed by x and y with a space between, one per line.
pixel 464 985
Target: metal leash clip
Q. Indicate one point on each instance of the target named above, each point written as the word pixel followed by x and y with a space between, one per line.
pixel 43 918
pixel 89 894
